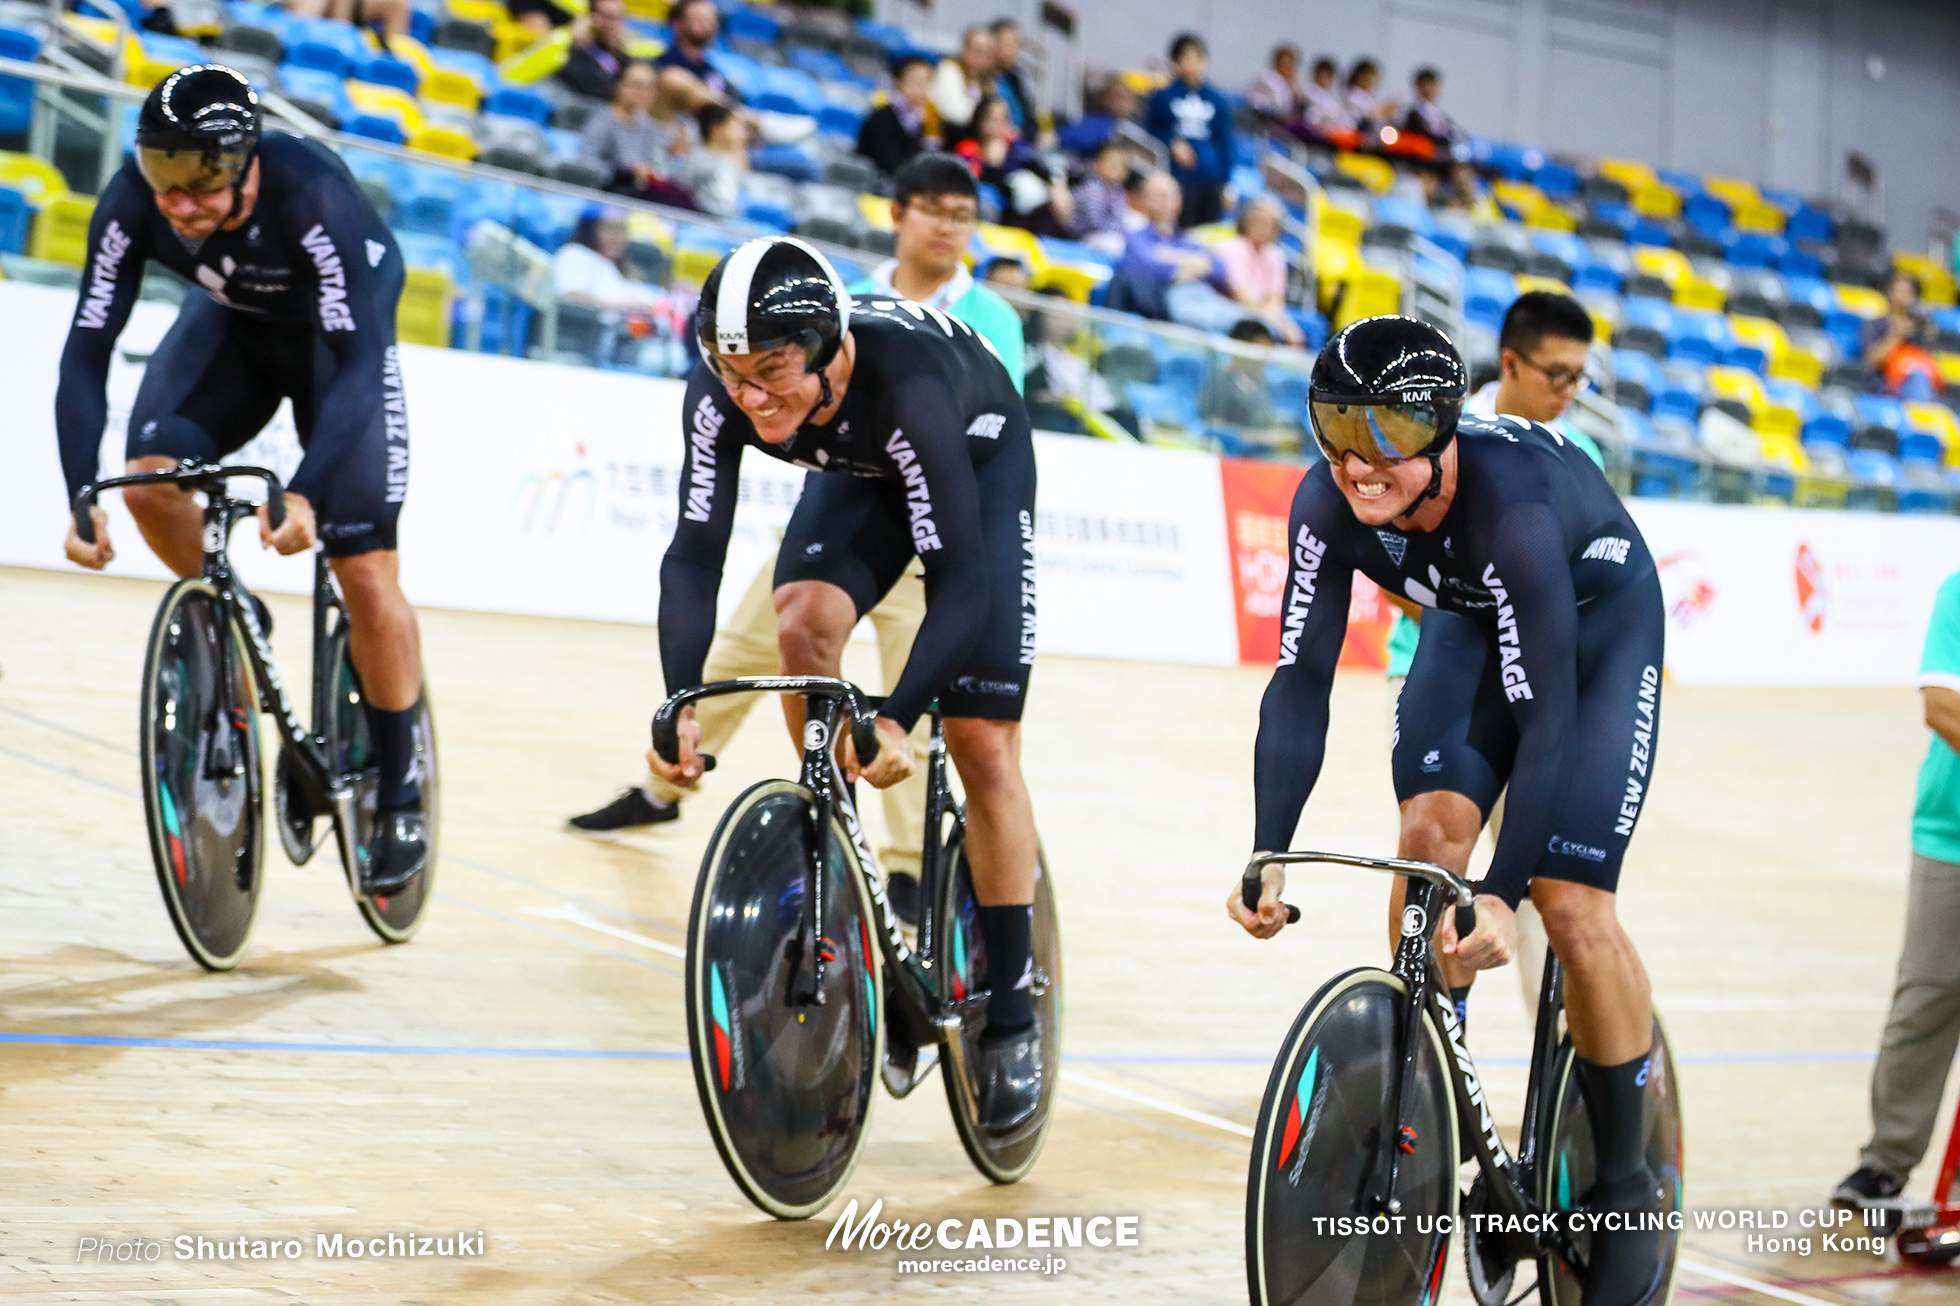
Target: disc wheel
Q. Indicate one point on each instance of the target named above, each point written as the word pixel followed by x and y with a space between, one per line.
pixel 1566 1177
pixel 1317 1154
pixel 786 1089
pixel 350 751
pixel 1003 1158
pixel 203 774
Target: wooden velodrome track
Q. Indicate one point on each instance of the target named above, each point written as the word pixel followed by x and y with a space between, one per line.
pixel 520 1067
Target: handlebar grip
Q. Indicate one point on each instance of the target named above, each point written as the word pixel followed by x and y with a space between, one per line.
pixel 864 736
pixel 1252 886
pixel 666 736
pixel 84 518
pixel 275 503
pixel 1466 920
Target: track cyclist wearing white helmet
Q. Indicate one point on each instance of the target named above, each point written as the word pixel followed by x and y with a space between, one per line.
pixel 917 445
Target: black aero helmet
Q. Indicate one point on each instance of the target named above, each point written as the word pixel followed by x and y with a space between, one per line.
pixel 198 130
pixel 770 292
pixel 1388 389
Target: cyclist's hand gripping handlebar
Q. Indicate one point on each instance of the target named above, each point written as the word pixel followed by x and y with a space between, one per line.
pixel 194 476
pixel 1253 885
pixel 1459 889
pixel 864 727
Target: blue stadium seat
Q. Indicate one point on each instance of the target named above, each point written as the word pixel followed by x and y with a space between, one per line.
pixel 745 24
pixel 420 250
pixel 890 35
pixel 1794 262
pixel 1672 401
pixel 1881 410
pixel 1640 311
pixel 1846 330
pixel 317 55
pixel 17 93
pixel 1747 356
pixel 788 90
pixel 792 161
pixel 1706 213
pixel 840 120
pixel 1699 337
pixel 1487 291
pixel 1793 395
pixel 742 72
pixel 1646 231
pixel 1182 368
pixel 1556 180
pixel 1288 390
pixel 375 128
pixel 1593 275
pixel 1516 162
pixel 1163 403
pixel 1920 446
pixel 386 70
pixel 765 214
pixel 824 65
pixel 1873 467
pixel 547 220
pixel 1393 210
pixel 1808 223
pixel 15 216
pixel 1755 249
pixel 477 67
pixel 1827 429
pixel 424 212
pixel 515 102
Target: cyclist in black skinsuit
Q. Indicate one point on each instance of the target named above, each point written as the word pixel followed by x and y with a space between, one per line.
pixel 1540 662
pixel 918 445
pixel 298 278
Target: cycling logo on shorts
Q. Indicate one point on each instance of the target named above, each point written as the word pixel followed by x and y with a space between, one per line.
pixel 1302 1121
pixel 1432 761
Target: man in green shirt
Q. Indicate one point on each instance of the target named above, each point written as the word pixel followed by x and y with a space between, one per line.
pixel 935 210
pixel 1924 1025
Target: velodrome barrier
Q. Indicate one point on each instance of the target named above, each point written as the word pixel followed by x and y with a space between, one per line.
pixel 551 490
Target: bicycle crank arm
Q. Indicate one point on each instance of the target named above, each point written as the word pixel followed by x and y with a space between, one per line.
pixel 952 1037
pixel 344 834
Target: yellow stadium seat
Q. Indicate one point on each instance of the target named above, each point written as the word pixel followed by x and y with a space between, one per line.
pixel 387 102
pixel 1551 217
pixel 1520 195
pixel 1369 292
pixel 33 177
pixel 1761 332
pixel 1777 421
pixel 877 211
pixel 653 9
pixel 1342 224
pixel 1737 383
pixel 451 86
pixel 651 228
pixel 1935 282
pixel 422 316
pixel 511 37
pixel 1949 365
pixel 99 32
pixel 692 265
pixel 1657 199
pixel 1630 173
pixel 444 141
pixel 1372 172
pixel 1527 282
pixel 1759 215
pixel 1670 265
pixel 1862 300
pixel 485 12
pixel 1076 281
pixel 1734 190
pixel 1334 261
pixel 1012 242
pixel 1783 450
pixel 1799 365
pixel 1694 292
pixel 411 51
pixel 61 229
pixel 538 60
pixel 143 69
pixel 1939 418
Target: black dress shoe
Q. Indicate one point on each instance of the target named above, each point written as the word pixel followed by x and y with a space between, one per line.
pixel 630 809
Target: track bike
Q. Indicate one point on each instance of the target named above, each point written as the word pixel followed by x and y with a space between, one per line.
pixel 207 675
pixel 803 989
pixel 1372 1108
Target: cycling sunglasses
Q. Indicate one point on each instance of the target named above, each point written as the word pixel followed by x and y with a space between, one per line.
pixel 195 172
pixel 1380 434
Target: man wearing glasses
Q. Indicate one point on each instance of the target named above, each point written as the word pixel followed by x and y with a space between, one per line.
pixel 1541 360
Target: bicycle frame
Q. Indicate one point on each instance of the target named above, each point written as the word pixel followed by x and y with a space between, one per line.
pixel 1416 965
pixel 826 701
pixel 221 513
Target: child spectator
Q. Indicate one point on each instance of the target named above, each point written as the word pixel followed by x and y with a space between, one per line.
pixel 713 173
pixel 1196 122
pixel 1032 198
pixel 1102 206
pixel 908 124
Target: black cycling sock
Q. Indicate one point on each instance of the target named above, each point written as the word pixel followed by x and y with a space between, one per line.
pixel 1460 999
pixel 394 748
pixel 1616 1099
pixel 1008 933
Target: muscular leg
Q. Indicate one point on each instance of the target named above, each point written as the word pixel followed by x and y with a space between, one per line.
pixel 1439 827
pixel 382 633
pixel 1608 1001
pixel 172 522
pixel 813 622
pixel 1000 835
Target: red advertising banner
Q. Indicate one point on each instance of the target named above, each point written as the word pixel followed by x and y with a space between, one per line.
pixel 1258 499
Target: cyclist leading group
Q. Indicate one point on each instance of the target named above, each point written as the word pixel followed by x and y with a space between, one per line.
pixel 1539 664
pixel 295 279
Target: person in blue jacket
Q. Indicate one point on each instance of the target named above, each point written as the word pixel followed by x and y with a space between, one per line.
pixel 1195 120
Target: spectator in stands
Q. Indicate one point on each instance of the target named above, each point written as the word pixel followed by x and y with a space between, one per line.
pixel 1167 275
pixel 1102 205
pixel 1899 346
pixel 1368 112
pixel 908 124
pixel 1113 102
pixel 1196 122
pixel 1007 270
pixel 1275 94
pixel 935 208
pixel 1235 393
pixel 390 17
pixel 959 83
pixel 591 267
pixel 713 171
pixel 1009 85
pixel 1428 118
pixel 1541 364
pixel 1325 112
pixel 687 79
pixel 598 50
pixel 1032 197
pixel 629 144
pixel 1255 268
